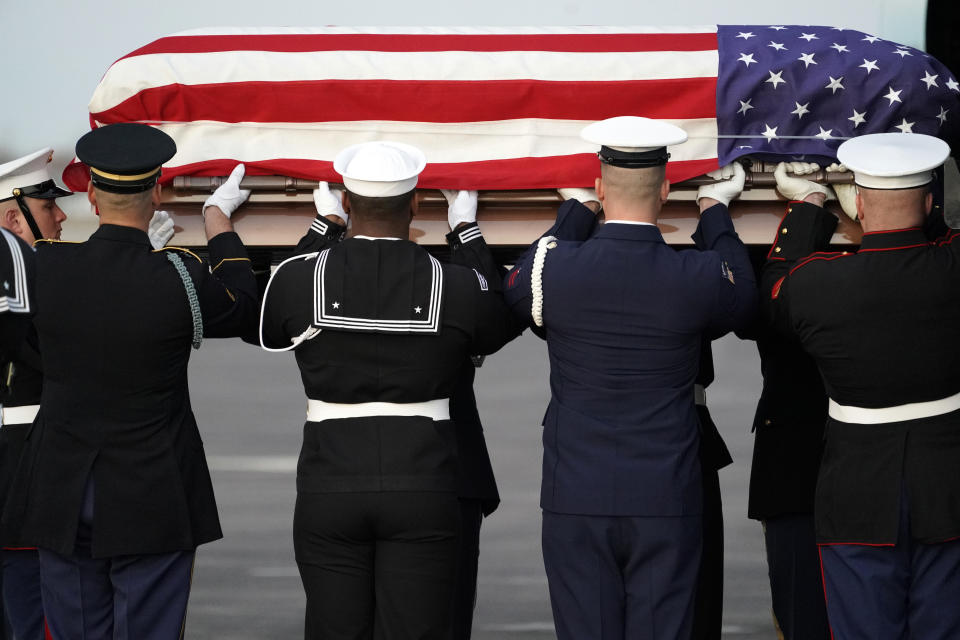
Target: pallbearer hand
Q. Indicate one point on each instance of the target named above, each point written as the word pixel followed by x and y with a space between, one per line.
pixel 229 196
pixel 462 207
pixel 329 202
pixel 160 230
pixel 846 193
pixel 581 195
pixel 729 184
pixel 793 188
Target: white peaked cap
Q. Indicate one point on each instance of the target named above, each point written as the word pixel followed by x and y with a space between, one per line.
pixel 25 172
pixel 380 169
pixel 893 160
pixel 633 133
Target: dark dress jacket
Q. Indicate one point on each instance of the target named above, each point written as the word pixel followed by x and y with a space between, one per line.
pixel 115 328
pixel 624 316
pixel 879 323
pixel 395 325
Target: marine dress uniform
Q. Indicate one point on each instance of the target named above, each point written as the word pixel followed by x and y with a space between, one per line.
pixel 21 382
pixel 380 330
pixel 879 323
pixel 117 491
pixel 624 316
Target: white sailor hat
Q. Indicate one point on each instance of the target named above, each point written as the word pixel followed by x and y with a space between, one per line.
pixel 29 176
pixel 380 169
pixel 632 141
pixel 893 160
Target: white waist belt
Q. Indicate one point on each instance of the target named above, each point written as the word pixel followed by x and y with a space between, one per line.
pixel 700 395
pixel 19 415
pixel 318 410
pixel 912 411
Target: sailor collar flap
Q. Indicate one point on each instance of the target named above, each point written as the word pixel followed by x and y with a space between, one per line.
pixel 380 287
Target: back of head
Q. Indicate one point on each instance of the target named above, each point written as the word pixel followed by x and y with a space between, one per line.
pixel 132 208
pixel 632 187
pixel 882 209
pixel 387 210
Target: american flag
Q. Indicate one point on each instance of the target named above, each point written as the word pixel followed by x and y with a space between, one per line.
pixel 501 108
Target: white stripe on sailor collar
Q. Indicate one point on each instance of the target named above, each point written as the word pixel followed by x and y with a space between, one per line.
pixel 329 321
pixel 20 301
pixel 633 222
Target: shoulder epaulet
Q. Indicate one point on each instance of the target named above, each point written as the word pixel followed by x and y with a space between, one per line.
pixel 181 249
pixel 823 256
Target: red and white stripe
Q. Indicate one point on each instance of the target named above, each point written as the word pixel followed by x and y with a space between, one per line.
pixel 492 108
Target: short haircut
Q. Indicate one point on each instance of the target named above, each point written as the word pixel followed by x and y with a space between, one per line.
pixel 633 184
pixel 387 209
pixel 123 201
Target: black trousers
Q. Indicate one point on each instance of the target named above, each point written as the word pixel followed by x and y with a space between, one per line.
pixel 378 565
pixel 796 583
pixel 708 608
pixel 465 594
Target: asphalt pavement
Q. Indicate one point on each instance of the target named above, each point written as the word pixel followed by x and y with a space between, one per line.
pixel 250 407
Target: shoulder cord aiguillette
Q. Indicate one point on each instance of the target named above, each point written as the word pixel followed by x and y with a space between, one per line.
pixel 536 278
pixel 191 297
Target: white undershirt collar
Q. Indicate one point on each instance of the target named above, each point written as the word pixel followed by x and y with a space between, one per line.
pixel 634 222
pixel 374 238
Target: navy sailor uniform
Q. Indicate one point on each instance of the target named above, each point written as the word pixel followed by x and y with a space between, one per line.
pixel 380 323
pixel 879 324
pixel 624 316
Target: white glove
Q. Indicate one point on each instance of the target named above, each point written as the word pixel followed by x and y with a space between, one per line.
pixel 729 184
pixel 462 206
pixel 846 193
pixel 229 195
pixel 798 188
pixel 329 202
pixel 160 230
pixel 581 195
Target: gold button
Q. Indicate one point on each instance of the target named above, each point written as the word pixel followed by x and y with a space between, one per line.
pixel 767 422
pixel 784 231
pixel 777 250
pixel 789 209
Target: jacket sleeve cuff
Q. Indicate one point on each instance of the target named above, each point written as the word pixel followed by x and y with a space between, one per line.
pixel 323 227
pixel 714 222
pixel 805 229
pixel 574 221
pixel 225 246
pixel 463 235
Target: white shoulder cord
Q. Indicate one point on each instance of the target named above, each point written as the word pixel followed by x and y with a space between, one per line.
pixel 310 331
pixel 536 277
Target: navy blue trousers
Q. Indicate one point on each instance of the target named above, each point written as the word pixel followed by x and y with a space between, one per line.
pixel 796 584
pixel 118 598
pixel 902 592
pixel 21 593
pixel 622 578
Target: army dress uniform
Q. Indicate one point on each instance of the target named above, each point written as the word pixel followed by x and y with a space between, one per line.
pixel 879 324
pixel 114 478
pixel 380 330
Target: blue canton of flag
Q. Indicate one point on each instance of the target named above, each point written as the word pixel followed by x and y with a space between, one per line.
pixel 799 91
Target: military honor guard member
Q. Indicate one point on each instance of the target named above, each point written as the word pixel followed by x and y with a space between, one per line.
pixel 381 331
pixel 29 210
pixel 788 443
pixel 116 491
pixel 879 323
pixel 624 316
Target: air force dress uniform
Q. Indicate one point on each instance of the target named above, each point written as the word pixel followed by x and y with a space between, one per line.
pixel 880 324
pixel 380 330
pixel 21 383
pixel 117 490
pixel 624 315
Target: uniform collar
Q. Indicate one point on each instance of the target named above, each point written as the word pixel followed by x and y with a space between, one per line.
pixel 642 232
pixel 119 233
pixel 894 239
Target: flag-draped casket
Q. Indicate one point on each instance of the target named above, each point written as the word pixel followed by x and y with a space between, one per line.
pixel 501 108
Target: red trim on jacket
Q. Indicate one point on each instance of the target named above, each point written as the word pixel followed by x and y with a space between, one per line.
pixel 820 255
pixel 873 233
pixel 856 544
pixel 908 246
pixel 775 291
pixel 770 255
pixel 823 582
